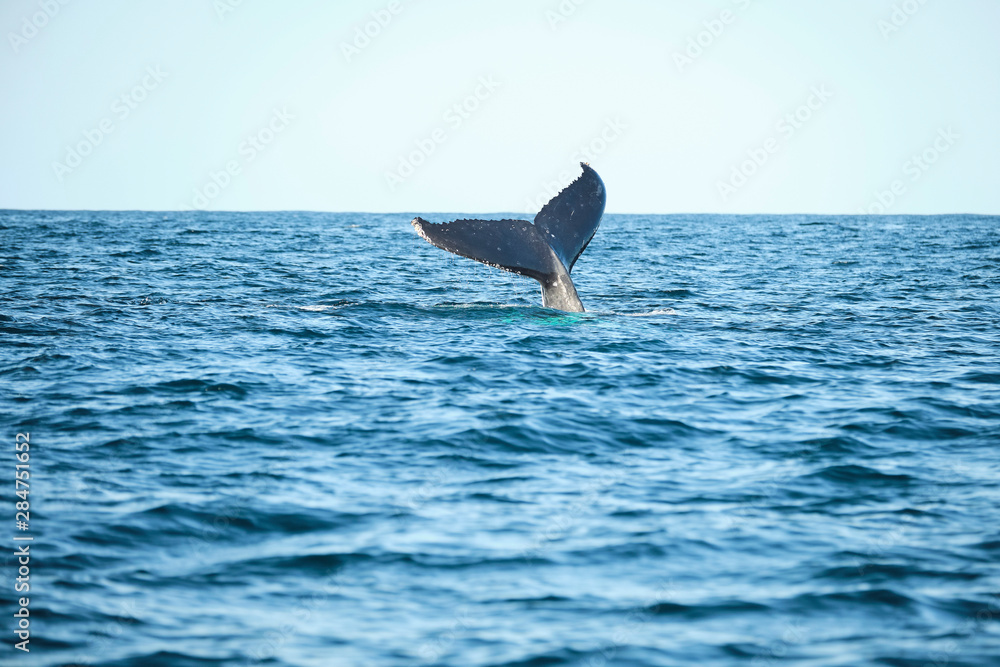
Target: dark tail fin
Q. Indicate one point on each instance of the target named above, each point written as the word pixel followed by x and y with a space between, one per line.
pixel 512 245
pixel 545 250
pixel 571 219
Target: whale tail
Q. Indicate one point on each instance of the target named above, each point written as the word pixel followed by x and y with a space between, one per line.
pixel 545 250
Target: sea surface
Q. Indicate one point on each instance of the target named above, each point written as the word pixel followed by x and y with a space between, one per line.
pixel 312 439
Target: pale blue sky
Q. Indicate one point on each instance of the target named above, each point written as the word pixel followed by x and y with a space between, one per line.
pixel 337 123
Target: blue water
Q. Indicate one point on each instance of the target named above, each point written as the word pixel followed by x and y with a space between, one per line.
pixel 314 439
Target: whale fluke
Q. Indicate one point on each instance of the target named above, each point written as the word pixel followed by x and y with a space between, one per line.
pixel 545 250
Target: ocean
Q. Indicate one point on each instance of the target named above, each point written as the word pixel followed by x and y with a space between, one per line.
pixel 309 439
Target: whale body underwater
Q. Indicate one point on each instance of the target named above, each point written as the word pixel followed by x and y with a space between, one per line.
pixel 545 250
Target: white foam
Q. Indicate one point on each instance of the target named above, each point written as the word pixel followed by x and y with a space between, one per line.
pixel 315 309
pixel 660 311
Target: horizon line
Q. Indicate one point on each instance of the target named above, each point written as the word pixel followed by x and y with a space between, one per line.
pixel 425 213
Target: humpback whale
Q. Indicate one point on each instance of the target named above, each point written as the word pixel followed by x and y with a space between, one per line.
pixel 545 250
